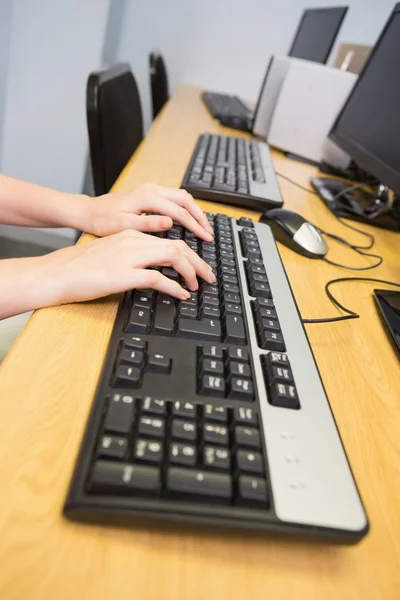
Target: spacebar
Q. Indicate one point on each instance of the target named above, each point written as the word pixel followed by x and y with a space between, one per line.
pixel 206 329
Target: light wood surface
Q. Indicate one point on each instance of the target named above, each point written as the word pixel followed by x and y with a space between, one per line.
pixel 47 385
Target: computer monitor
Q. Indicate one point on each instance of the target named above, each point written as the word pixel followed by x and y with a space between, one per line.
pixel 368 126
pixel 317 32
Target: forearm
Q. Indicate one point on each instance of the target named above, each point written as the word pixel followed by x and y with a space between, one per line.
pixel 23 286
pixel 31 205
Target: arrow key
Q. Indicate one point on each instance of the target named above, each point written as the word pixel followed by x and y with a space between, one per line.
pixel 159 363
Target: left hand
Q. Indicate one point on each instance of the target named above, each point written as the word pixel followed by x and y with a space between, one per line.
pixel 117 211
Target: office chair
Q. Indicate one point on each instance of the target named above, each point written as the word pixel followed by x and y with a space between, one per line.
pixel 158 82
pixel 114 121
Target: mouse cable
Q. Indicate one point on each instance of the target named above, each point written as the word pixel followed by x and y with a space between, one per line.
pixel 353 247
pixel 350 314
pixel 336 197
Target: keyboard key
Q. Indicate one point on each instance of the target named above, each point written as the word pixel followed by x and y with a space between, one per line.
pixel 115 478
pixel 209 351
pixel 211 385
pixel 113 447
pixel 211 312
pixel 263 312
pixel 184 430
pixel 275 358
pixel 230 288
pixel 239 369
pixel 233 309
pixel 214 412
pixel 244 222
pixel 281 374
pixel 142 301
pixel 159 363
pixel 208 329
pixel 260 302
pixel 120 414
pixel 182 454
pixel 217 458
pixel 132 357
pixel 170 273
pixel 270 340
pixel 234 329
pixel 247 436
pixel 252 491
pixel 138 321
pixel 154 406
pixel 244 415
pixel 270 324
pixel 164 316
pixel 126 376
pixel 249 462
pixel 149 451
pixel 184 409
pixel 188 312
pixel 240 389
pixel 210 300
pixel 135 342
pixel 283 395
pixel 215 434
pixel 260 290
pixel 215 367
pixel 151 426
pixel 239 354
pixel 190 482
pixel 231 298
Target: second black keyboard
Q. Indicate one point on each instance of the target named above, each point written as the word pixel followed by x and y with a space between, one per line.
pixel 233 171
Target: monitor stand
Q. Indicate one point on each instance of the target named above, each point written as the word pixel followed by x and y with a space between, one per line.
pixel 376 207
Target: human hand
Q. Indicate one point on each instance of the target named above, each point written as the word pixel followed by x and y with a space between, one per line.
pixel 117 211
pixel 116 263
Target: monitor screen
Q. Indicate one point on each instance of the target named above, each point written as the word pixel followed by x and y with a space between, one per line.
pixel 368 126
pixel 317 33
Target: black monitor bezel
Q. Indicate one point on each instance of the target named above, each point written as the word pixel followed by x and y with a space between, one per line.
pixel 365 159
pixel 335 9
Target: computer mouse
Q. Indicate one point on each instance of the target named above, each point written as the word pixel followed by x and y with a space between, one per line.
pixel 295 232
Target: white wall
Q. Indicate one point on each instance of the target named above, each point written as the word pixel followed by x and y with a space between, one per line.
pixel 54 44
pixel 5 29
pixel 225 44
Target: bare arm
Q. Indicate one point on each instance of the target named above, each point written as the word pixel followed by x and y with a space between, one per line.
pixel 115 263
pixel 31 205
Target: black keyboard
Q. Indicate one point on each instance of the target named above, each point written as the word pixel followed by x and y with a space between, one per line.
pixel 212 412
pixel 233 171
pixel 221 105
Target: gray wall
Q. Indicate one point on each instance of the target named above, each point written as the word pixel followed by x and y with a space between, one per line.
pixel 53 46
pixel 5 29
pixel 225 44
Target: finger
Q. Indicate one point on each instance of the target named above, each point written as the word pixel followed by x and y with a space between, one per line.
pixel 148 278
pixel 186 200
pixel 202 269
pixel 159 204
pixel 150 223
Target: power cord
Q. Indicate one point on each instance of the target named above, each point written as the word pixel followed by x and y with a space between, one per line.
pixel 350 314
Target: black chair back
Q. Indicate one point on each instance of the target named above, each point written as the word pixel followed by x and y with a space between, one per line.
pixel 114 121
pixel 158 82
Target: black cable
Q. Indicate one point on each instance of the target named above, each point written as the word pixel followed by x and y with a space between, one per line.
pixel 336 197
pixel 350 314
pixel 296 184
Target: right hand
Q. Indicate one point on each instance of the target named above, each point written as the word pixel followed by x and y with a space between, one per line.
pixel 117 263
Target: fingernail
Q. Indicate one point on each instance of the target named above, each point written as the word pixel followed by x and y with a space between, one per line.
pixel 185 295
pixel 212 278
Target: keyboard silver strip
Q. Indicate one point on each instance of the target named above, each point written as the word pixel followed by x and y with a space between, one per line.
pixel 310 477
pixel 270 189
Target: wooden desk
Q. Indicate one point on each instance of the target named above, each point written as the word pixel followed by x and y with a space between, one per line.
pixel 46 389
